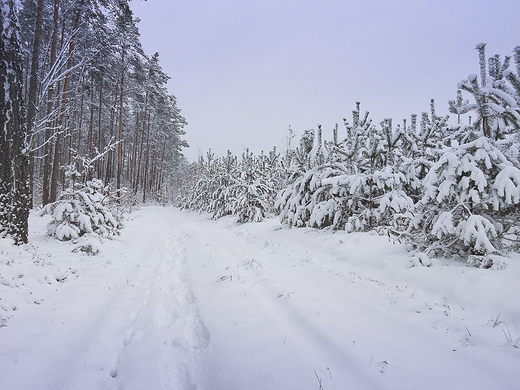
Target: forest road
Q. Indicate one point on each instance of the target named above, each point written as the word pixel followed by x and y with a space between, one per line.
pixel 129 321
pixel 183 302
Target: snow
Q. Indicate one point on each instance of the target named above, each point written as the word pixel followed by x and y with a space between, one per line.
pixel 508 184
pixel 506 97
pixel 180 301
pixel 476 229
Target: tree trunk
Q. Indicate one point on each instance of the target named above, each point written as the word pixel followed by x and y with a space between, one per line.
pixel 50 106
pixel 99 163
pixel 80 125
pixel 110 158
pixel 161 175
pixel 120 137
pixel 133 165
pixel 15 216
pixel 140 155
pixel 5 164
pixel 90 137
pixel 33 84
pixel 63 109
pixel 145 173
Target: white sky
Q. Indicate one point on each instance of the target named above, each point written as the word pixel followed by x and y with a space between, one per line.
pixel 243 71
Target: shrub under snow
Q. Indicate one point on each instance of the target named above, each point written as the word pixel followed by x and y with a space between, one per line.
pixel 227 186
pixel 81 211
pixel 471 199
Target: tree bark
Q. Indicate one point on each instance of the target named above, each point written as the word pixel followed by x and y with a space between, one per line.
pixel 120 137
pixel 63 108
pixel 16 203
pixel 90 137
pixel 50 107
pixel 5 164
pixel 99 163
pixel 33 83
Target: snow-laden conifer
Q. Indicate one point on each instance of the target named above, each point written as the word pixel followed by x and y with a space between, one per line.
pixel 81 211
pixel 496 97
pixel 359 187
pixel 224 186
pixel 471 200
pixel 83 207
pixel 249 192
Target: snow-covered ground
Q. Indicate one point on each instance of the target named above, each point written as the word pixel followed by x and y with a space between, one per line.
pixel 179 301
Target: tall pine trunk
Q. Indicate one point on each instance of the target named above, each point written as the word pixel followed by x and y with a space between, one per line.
pixel 99 164
pixel 120 133
pixel 33 84
pixel 16 202
pixel 5 164
pixel 47 161
pixel 63 107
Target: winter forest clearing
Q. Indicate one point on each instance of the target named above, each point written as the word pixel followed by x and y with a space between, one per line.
pixel 365 256
pixel 180 301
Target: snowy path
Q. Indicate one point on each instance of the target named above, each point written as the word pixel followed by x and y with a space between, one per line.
pixel 182 302
pixel 128 322
pixel 285 307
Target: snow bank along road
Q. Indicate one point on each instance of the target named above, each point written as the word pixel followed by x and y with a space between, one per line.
pixel 179 301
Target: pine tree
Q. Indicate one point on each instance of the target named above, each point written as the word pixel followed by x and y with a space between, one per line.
pixel 496 105
pixel 471 201
pixel 82 208
pixel 245 188
pixel 358 187
pixel 15 195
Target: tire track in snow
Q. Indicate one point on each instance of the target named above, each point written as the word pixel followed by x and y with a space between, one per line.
pixel 277 313
pixel 128 322
pixel 257 326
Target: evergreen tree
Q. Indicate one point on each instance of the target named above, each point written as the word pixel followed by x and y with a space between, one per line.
pixel 495 103
pixel 82 208
pixel 471 202
pixel 244 188
pixel 96 84
pixel 14 186
pixel 358 187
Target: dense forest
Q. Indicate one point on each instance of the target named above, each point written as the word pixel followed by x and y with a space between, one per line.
pixel 87 120
pixel 82 101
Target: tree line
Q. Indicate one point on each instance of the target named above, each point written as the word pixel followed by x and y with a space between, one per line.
pixel 77 87
pixel 443 189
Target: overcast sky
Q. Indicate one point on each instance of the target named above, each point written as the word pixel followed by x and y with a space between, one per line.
pixel 243 71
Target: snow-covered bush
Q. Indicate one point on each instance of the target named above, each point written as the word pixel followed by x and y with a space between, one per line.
pixel 227 186
pixel 250 193
pixel 420 148
pixel 358 188
pixel 307 199
pixel 81 211
pixel 328 195
pixel 471 200
pixel 83 207
pixel 89 248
